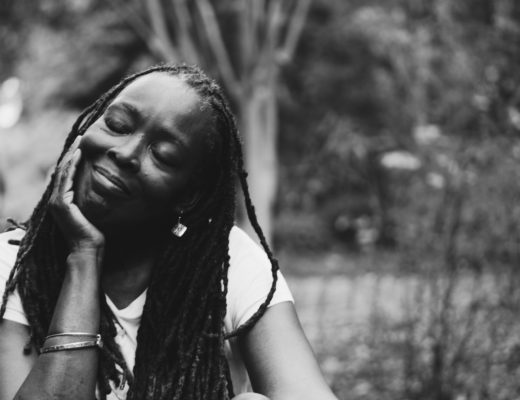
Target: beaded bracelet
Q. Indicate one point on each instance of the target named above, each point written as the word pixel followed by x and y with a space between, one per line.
pixel 74 346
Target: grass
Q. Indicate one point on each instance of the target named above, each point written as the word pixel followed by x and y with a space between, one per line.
pixel 385 334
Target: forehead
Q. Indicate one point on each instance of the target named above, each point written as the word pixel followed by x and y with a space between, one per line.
pixel 163 96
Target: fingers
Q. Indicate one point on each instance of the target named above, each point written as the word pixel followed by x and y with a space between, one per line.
pixel 69 153
pixel 75 144
pixel 67 191
pixel 78 231
pixel 70 159
pixel 63 179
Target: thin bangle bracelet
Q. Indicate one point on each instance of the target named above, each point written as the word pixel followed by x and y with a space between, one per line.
pixel 92 335
pixel 74 346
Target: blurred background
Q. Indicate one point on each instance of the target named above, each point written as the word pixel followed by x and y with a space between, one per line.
pixel 382 144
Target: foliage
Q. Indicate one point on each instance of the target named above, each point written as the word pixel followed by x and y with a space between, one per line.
pixel 13 19
pixel 443 324
pixel 369 75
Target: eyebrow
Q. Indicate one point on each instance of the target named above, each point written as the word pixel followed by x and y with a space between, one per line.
pixel 130 108
pixel 137 115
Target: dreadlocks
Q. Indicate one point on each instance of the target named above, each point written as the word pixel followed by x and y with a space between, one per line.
pixel 180 351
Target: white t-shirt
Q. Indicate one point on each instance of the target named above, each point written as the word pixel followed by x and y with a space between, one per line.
pixel 249 281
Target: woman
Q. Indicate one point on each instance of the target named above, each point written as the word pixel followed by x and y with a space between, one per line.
pixel 134 240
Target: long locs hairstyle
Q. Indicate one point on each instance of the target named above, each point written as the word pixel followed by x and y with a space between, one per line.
pixel 180 343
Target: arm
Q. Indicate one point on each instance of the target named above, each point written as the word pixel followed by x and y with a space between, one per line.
pixel 279 359
pixel 65 374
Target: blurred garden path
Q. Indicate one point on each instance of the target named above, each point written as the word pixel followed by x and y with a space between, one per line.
pixel 334 308
pixel 337 310
pixel 328 303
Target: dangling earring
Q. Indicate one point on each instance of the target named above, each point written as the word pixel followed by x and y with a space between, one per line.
pixel 179 228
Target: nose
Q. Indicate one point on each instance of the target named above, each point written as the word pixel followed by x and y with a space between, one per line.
pixel 127 153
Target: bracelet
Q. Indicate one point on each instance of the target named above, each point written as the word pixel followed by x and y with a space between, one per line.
pixel 74 346
pixel 92 335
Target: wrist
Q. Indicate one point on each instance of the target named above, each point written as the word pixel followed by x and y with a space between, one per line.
pixel 85 263
pixel 92 246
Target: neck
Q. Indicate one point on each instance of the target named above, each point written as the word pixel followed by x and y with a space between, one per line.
pixel 130 242
pixel 128 263
pixel 129 252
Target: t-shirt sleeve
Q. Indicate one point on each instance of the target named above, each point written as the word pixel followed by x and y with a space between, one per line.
pixel 250 279
pixel 14 309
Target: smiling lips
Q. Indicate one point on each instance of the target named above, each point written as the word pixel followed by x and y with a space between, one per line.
pixel 110 182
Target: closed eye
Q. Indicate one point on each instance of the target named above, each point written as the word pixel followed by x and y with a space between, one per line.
pixel 117 125
pixel 164 157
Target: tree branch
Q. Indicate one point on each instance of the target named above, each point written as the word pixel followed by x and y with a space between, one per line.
pixel 248 38
pixel 184 21
pixel 257 10
pixel 137 23
pixel 165 44
pixel 294 30
pixel 218 47
pixel 273 25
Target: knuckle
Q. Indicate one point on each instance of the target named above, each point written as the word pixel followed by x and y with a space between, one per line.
pixel 56 204
pixel 99 241
pixel 52 202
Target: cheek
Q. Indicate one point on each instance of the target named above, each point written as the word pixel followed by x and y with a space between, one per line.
pixel 94 142
pixel 167 189
pixel 159 187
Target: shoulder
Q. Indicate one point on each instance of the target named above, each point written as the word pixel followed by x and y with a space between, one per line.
pixel 247 259
pixel 8 251
pixel 15 234
pixel 250 278
pixel 242 246
pixel 8 236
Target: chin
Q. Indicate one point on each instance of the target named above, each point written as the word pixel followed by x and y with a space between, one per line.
pixel 93 207
pixel 96 212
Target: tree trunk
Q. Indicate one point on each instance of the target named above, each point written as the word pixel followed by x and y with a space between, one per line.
pixel 259 126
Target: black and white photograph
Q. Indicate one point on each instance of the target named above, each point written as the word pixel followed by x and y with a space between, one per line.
pixel 260 200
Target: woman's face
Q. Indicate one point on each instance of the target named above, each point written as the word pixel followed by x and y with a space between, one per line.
pixel 140 157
